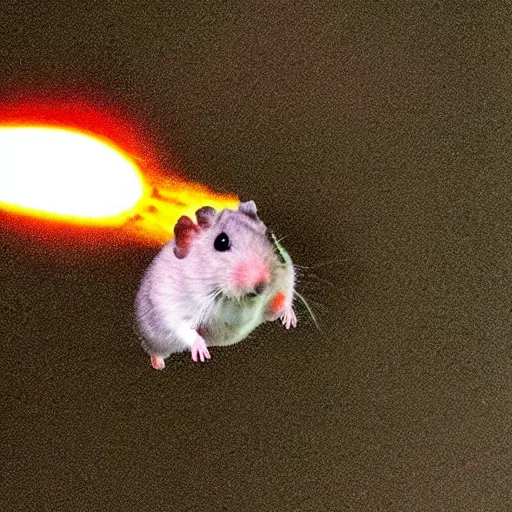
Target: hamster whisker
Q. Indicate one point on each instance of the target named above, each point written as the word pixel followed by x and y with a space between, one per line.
pixel 320 305
pixel 315 279
pixel 322 263
pixel 308 307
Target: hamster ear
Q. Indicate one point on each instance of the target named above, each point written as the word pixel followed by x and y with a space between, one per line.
pixel 184 233
pixel 249 208
pixel 205 216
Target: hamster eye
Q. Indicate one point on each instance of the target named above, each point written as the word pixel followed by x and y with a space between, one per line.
pixel 222 243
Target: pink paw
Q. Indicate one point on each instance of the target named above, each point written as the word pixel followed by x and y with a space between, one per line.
pixel 199 350
pixel 157 362
pixel 289 318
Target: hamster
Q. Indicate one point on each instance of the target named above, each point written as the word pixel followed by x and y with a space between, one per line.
pixel 213 284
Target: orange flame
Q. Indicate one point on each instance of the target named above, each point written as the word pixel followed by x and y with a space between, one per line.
pixel 160 207
pixel 66 173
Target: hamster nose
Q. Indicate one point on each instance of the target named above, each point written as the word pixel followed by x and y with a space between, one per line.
pixel 252 276
pixel 260 287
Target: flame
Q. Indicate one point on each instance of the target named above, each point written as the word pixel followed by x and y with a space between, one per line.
pixel 68 174
pixel 169 199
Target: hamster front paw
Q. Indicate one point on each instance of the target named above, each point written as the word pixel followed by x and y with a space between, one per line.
pixel 289 318
pixel 278 308
pixel 199 350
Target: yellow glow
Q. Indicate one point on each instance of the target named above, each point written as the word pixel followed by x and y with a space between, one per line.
pixel 169 199
pixel 56 172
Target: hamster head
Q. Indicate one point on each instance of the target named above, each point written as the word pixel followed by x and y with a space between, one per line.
pixel 228 251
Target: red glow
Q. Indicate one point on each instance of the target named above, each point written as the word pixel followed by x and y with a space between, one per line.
pixel 107 123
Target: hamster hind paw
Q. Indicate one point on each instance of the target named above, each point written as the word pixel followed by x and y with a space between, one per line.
pixel 157 362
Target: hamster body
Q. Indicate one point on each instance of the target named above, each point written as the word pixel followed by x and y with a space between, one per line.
pixel 213 284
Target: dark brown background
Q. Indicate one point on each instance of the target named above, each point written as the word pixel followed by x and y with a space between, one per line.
pixel 379 136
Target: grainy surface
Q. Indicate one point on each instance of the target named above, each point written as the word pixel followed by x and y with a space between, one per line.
pixel 374 134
